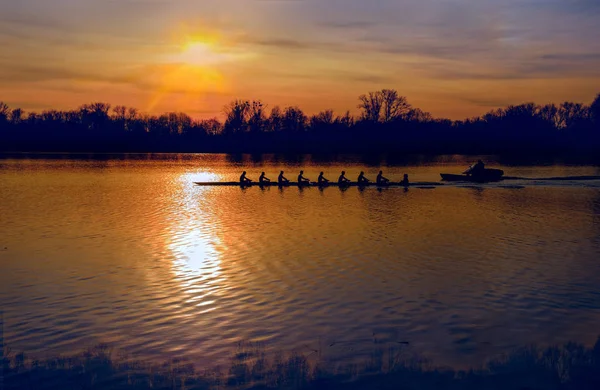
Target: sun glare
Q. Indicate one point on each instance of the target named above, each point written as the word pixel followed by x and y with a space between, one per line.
pixel 192 69
pixel 201 54
pixel 196 64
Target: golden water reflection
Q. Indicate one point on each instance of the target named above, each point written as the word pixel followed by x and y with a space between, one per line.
pixel 136 255
pixel 193 242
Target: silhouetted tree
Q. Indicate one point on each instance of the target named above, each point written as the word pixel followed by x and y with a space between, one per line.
pixel 570 114
pixel 548 114
pixel 595 111
pixel 4 112
pixel 16 116
pixel 119 117
pixel 346 120
pixel 418 115
pixel 275 122
pixel 236 114
pixel 94 127
pixel 385 106
pixel 294 120
pixel 175 122
pixel 132 113
pixel 322 120
pixel 257 118
pixel 120 113
pixel 53 116
pixel 394 106
pixel 212 126
pixel 371 104
pixel 95 115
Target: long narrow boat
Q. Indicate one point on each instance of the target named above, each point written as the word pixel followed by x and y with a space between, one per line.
pixel 295 184
pixel 488 175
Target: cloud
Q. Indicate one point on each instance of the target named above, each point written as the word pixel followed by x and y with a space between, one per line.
pixel 572 57
pixel 347 25
pixel 26 74
pixel 485 101
pixel 282 43
pixel 534 67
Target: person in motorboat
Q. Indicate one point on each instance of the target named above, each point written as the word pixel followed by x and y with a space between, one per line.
pixel 382 181
pixel 362 179
pixel 476 169
pixel 321 180
pixel 301 179
pixel 282 179
pixel 244 179
pixel 405 181
pixel 343 179
pixel 263 179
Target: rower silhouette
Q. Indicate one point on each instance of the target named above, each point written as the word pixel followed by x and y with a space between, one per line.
pixel 343 179
pixel 381 181
pixel 263 179
pixel 301 179
pixel 321 180
pixel 362 179
pixel 244 179
pixel 405 181
pixel 282 179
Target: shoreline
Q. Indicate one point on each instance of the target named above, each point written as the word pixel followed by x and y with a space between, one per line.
pixel 570 365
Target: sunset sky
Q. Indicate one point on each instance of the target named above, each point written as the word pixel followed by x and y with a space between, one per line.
pixel 454 58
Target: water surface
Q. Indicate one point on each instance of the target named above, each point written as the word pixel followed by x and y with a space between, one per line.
pixel 130 252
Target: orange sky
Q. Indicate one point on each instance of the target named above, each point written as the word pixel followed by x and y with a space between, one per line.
pixel 452 58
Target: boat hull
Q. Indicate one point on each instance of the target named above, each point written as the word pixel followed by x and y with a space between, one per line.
pixel 275 184
pixel 488 175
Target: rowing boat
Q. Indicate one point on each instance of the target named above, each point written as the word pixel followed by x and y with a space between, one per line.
pixel 488 175
pixel 311 184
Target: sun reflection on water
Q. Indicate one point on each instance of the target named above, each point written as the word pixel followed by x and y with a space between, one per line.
pixel 194 243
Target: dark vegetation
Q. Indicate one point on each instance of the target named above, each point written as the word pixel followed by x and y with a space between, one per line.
pixel 570 366
pixel 387 123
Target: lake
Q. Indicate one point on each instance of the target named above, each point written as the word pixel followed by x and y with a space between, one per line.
pixel 126 250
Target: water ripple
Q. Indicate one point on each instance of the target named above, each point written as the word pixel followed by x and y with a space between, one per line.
pixel 141 258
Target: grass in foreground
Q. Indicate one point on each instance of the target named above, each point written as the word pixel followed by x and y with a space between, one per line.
pixel 570 366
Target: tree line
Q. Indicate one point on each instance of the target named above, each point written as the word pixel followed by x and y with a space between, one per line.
pixel 387 123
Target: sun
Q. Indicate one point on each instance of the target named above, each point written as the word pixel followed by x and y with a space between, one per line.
pixel 197 53
pixel 197 64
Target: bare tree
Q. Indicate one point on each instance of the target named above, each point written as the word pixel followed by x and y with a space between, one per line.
pixel 383 106
pixel 4 111
pixel 394 106
pixel 571 113
pixel 94 115
pixel 595 110
pixel 492 116
pixel 371 105
pixel 120 112
pixel 236 114
pixel 184 122
pixel 132 114
pixel 549 114
pixel 53 116
pixel 16 116
pixel 98 109
pixel 322 119
pixel 294 119
pixel 275 122
pixel 211 126
pixel 522 111
pixel 32 118
pixel 418 115
pixel 345 120
pixel 257 117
